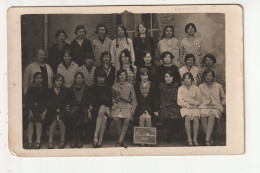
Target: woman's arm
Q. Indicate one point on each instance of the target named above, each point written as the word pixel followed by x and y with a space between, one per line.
pixel 180 99
pixel 132 51
pixel 113 52
pixel 133 98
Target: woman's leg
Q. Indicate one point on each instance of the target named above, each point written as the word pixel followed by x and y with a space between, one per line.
pixel 124 130
pixel 142 120
pixel 103 128
pixel 30 132
pixel 204 122
pixel 118 126
pixel 52 130
pixel 148 121
pixel 210 127
pixel 195 129
pixel 38 132
pixel 188 129
pixel 62 131
pixel 99 122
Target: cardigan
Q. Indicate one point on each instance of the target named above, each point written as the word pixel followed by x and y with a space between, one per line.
pixel 68 73
pixel 78 52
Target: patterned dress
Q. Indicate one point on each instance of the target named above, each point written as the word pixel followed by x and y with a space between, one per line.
pixel 98 48
pixel 88 76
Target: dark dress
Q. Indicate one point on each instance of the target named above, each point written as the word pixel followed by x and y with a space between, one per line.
pixel 153 74
pixel 78 52
pixel 37 101
pixel 174 69
pixel 56 56
pixel 140 45
pixel 110 80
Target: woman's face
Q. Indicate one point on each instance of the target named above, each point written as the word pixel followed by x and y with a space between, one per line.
pixel 61 37
pixel 144 78
pixel 168 32
pixel 209 77
pixel 122 77
pixel 67 58
pixel 81 33
pixel 100 80
pixel 125 59
pixel 89 61
pixel 38 80
pixel 167 59
pixel 101 31
pixel 41 56
pixel 120 32
pixel 79 79
pixel 142 29
pixel 187 80
pixel 208 62
pixel 191 30
pixel 148 58
pixel 168 78
pixel 58 82
pixel 106 59
pixel 190 62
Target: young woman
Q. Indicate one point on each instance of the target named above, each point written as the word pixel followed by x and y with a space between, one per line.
pixel 119 44
pixel 108 68
pixel 171 44
pixel 80 45
pixel 192 44
pixel 36 103
pixel 58 106
pixel 101 43
pixel 125 63
pixel 213 99
pixel 79 102
pixel 124 105
pixel 142 43
pixel 189 98
pixel 102 103
pixel 189 67
pixel 38 66
pixel 169 110
pixel 167 65
pixel 88 69
pixel 57 50
pixel 67 68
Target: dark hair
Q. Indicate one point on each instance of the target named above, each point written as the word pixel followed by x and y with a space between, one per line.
pixel 164 54
pixel 78 73
pixel 144 24
pixel 164 30
pixel 89 55
pixel 36 74
pixel 80 27
pixel 99 26
pixel 104 54
pixel 189 55
pixel 56 77
pixel 188 25
pixel 170 73
pixel 145 53
pixel 66 51
pixel 212 57
pixel 120 71
pixel 143 71
pixel 189 75
pixel 59 32
pixel 127 54
pixel 126 34
pixel 207 71
pixel 100 73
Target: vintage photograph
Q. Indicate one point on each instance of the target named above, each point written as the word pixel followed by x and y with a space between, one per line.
pixel 123 80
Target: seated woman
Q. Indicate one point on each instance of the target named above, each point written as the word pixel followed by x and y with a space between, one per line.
pixel 189 98
pixel 213 99
pixel 79 102
pixel 124 105
pixel 102 103
pixel 189 67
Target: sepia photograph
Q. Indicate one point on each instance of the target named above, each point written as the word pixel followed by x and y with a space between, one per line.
pixel 104 81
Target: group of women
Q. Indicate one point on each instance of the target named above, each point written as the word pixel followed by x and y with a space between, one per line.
pixel 86 84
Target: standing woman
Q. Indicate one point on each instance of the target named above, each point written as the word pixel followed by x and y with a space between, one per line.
pixel 108 68
pixel 171 44
pixel 213 99
pixel 57 50
pixel 80 45
pixel 191 44
pixel 38 66
pixel 189 67
pixel 142 43
pixel 101 43
pixel 124 105
pixel 119 44
pixel 125 63
pixel 67 68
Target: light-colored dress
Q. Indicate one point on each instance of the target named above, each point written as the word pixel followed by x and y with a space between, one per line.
pixel 68 73
pixel 194 71
pixel 187 98
pixel 99 47
pixel 88 76
pixel 213 100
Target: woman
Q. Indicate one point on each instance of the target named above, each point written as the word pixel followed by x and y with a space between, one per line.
pixel 124 105
pixel 171 44
pixel 142 43
pixel 119 44
pixel 67 68
pixel 80 45
pixel 213 100
pixel 101 43
pixel 125 63
pixel 38 66
pixel 57 50
pixel 191 44
pixel 108 68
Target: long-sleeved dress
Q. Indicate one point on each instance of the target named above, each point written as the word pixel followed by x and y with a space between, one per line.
pixel 68 73
pixel 88 75
pixel 99 47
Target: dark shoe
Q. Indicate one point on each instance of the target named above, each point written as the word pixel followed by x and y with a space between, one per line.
pixel 62 145
pixel 196 144
pixel 99 145
pixel 73 144
pixel 79 144
pixel 190 144
pixel 124 144
pixel 37 145
pixel 29 146
pixel 50 146
pixel 95 143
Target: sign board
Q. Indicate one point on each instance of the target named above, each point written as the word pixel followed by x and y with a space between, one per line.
pixel 145 135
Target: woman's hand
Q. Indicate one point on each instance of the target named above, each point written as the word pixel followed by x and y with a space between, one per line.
pixel 30 116
pixel 132 111
pixel 90 107
pixel 156 114
pixel 43 115
pixel 68 107
pixel 114 106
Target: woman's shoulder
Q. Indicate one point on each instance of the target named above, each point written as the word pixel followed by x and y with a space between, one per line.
pixel 129 40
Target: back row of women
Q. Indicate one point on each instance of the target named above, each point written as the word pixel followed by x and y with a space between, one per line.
pixel 118 79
